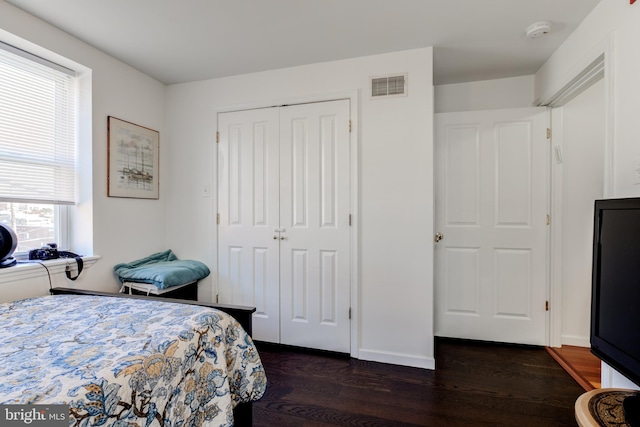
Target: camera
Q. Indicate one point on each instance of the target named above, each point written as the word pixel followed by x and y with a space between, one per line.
pixel 48 251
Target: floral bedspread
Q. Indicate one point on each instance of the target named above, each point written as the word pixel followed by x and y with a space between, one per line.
pixel 127 362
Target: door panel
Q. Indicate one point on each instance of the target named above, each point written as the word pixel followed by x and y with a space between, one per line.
pixel 513 179
pixel 491 206
pixel 463 161
pixel 512 275
pixel 248 193
pixel 463 280
pixel 314 214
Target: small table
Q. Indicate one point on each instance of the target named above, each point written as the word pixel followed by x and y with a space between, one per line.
pixel 188 291
pixel 602 407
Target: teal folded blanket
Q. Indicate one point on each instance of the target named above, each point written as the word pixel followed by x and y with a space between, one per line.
pixel 162 269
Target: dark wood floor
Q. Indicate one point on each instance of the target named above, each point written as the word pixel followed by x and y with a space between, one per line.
pixel 474 384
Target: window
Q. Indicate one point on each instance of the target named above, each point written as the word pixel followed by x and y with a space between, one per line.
pixel 37 147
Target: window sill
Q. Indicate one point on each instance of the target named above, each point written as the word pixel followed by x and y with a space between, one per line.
pixel 34 269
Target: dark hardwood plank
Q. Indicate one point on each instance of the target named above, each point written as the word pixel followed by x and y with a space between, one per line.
pixel 474 384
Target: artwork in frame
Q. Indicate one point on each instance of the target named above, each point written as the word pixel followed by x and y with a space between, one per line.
pixel 133 160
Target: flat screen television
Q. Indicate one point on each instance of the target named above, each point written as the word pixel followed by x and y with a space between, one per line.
pixel 615 298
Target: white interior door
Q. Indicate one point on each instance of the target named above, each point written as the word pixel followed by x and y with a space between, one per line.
pixel 314 219
pixel 248 205
pixel 283 201
pixel 492 186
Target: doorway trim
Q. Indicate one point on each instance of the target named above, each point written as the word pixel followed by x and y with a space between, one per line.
pixel 354 195
pixel 597 65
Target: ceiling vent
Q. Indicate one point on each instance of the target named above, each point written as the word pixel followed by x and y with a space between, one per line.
pixel 387 86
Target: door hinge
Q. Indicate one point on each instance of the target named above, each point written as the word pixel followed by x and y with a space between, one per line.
pixel 546 306
pixel 349 219
pixel 548 219
pixel 218 218
pixel 217 137
pixel 548 133
pixel 217 298
pixel 349 313
pixel 349 126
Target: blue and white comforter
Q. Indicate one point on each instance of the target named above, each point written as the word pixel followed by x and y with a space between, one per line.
pixel 122 362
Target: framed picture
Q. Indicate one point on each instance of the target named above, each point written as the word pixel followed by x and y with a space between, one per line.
pixel 133 160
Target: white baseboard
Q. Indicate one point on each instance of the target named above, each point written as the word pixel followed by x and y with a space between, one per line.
pixel 611 378
pixel 576 340
pixel 397 359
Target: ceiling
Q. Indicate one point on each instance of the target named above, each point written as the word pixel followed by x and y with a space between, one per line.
pixel 178 41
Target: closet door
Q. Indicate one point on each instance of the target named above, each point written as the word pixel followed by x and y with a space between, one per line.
pixel 314 219
pixel 283 200
pixel 248 205
pixel 492 195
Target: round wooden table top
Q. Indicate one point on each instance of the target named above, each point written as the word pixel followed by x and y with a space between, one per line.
pixel 602 407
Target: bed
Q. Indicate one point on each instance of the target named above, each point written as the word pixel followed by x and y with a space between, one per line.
pixel 121 360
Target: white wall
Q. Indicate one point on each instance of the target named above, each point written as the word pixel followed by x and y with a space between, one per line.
pixel 498 94
pixel 617 21
pixel 583 171
pixel 395 206
pixel 117 229
pixel 395 215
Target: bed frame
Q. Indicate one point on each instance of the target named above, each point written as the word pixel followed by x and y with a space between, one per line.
pixel 243 413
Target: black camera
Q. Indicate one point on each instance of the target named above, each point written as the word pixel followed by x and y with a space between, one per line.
pixel 49 251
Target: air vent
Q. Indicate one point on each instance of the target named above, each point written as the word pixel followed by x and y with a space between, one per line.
pixel 389 86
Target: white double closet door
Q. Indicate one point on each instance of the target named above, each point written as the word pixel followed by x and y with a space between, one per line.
pixel 283 233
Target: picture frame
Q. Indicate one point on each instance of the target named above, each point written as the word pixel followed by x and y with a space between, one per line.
pixel 133 155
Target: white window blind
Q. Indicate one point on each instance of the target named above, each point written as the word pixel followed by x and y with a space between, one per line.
pixel 37 131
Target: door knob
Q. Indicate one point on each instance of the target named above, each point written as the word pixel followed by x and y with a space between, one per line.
pixel 275 237
pixel 438 237
pixel 283 237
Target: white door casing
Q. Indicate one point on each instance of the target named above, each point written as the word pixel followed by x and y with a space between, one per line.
pixel 284 238
pixel 492 186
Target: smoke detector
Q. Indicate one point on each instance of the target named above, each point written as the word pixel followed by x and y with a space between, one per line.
pixel 538 29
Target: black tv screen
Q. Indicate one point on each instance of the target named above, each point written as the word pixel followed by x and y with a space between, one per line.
pixel 615 299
